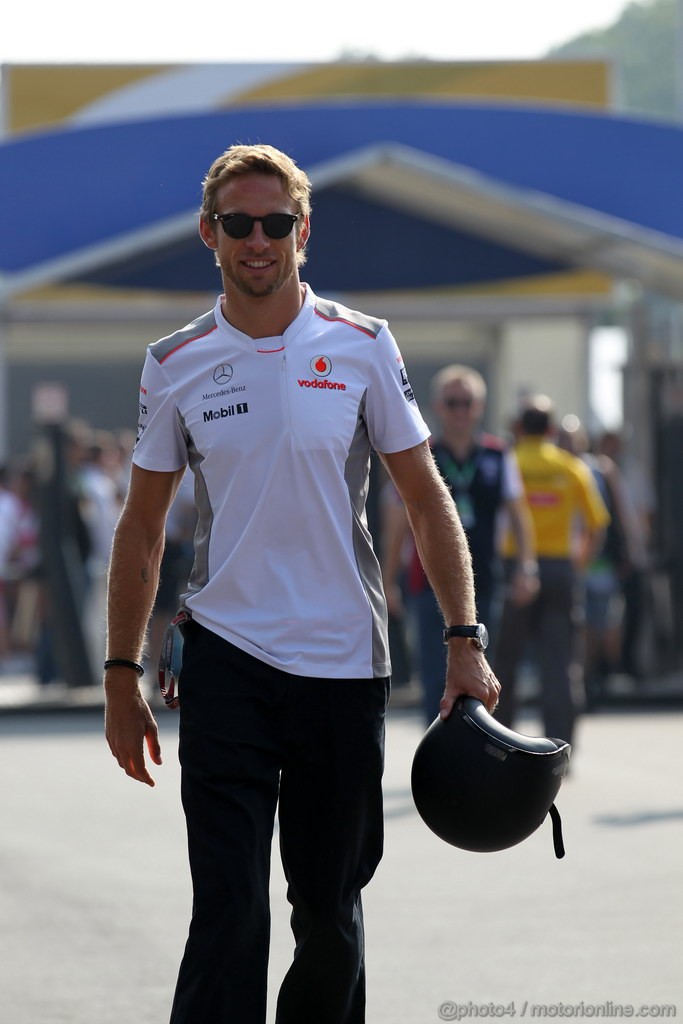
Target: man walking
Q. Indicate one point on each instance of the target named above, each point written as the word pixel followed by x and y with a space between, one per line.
pixel 274 398
pixel 560 490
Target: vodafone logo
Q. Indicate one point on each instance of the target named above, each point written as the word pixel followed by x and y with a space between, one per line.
pixel 321 366
pixel 326 385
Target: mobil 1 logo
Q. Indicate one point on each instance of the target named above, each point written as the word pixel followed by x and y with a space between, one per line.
pixel 225 412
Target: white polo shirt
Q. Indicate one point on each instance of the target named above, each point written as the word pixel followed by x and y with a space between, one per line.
pixel 278 433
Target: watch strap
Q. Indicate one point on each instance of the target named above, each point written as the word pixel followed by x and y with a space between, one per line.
pixel 466 631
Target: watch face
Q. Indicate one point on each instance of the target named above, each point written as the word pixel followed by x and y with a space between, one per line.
pixel 482 636
pixel 479 634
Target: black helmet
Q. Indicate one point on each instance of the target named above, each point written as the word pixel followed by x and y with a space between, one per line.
pixel 481 786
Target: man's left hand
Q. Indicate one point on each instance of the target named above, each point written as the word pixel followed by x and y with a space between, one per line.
pixel 468 674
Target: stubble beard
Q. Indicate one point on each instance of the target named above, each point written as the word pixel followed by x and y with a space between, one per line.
pixel 263 289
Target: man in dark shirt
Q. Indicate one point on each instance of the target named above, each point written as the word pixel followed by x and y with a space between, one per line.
pixel 483 478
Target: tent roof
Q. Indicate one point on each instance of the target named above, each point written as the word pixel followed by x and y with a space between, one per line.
pixel 406 194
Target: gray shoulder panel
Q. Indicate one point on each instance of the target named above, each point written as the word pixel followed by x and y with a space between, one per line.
pixel 329 310
pixel 200 327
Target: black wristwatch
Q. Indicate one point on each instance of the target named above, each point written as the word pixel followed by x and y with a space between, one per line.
pixel 478 634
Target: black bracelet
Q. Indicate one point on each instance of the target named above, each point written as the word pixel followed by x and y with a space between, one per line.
pixel 124 663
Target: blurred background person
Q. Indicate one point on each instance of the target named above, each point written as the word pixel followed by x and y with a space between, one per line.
pixel 608 571
pixel 396 551
pixel 482 476
pixel 27 604
pixel 102 502
pixel 125 442
pixel 559 488
pixel 639 502
pixel 10 517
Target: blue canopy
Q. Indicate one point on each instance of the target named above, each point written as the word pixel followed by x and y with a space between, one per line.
pixel 407 194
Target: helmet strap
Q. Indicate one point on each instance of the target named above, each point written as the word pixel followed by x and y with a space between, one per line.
pixel 557 832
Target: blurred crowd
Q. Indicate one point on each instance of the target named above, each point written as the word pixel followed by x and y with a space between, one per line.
pixel 559 524
pixel 610 563
pixel 615 578
pixel 97 471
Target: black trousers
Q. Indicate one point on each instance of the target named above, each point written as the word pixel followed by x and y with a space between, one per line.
pixel 549 626
pixel 252 736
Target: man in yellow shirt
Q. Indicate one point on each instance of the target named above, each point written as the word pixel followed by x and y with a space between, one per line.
pixel 560 489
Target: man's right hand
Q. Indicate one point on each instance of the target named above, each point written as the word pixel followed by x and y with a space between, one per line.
pixel 129 723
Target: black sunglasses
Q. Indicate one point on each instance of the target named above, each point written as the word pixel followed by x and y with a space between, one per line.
pixel 457 403
pixel 241 225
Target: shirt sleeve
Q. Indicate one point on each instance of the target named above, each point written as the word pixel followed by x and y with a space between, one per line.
pixel 160 444
pixel 392 415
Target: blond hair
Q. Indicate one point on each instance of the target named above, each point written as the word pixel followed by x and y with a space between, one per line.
pixel 258 159
pixel 462 375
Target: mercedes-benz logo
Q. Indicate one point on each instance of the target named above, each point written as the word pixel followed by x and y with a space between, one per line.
pixel 223 373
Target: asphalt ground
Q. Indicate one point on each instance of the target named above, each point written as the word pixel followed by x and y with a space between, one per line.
pixel 95 898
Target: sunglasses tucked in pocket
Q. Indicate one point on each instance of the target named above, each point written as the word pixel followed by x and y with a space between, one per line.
pixel 171 660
